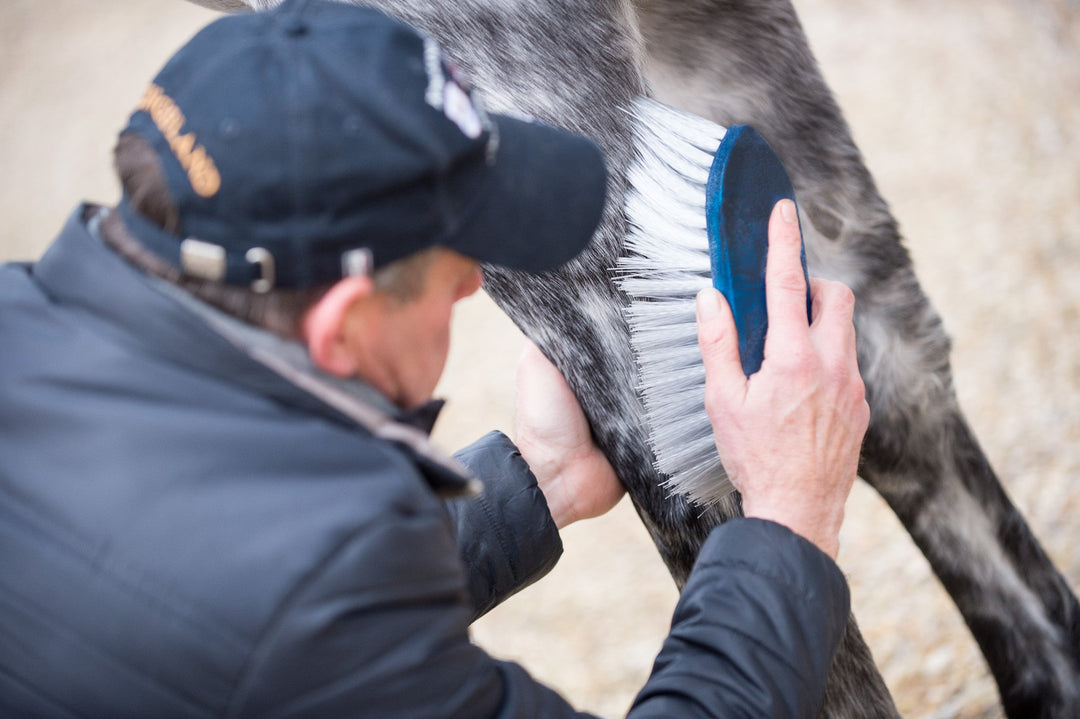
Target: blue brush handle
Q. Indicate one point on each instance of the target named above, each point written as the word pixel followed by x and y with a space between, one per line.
pixel 745 182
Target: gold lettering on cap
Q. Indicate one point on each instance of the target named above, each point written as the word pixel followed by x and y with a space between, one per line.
pixel 200 168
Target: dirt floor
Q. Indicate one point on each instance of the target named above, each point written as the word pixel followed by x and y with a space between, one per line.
pixel 968 114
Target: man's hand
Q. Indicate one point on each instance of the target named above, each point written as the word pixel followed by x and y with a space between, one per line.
pixel 789 435
pixel 553 436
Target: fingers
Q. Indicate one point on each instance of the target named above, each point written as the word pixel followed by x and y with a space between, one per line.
pixel 548 412
pixel 833 335
pixel 537 381
pixel 541 387
pixel 530 363
pixel 532 360
pixel 553 437
pixel 785 285
pixel 719 343
pixel 833 312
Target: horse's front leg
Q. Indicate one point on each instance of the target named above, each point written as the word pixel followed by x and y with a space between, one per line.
pixel 748 62
pixel 576 65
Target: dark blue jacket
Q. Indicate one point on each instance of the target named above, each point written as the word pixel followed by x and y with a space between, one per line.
pixel 185 533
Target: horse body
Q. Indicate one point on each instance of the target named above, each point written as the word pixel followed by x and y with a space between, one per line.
pixel 579 65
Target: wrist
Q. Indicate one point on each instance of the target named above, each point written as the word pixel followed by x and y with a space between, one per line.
pixel 822 529
pixel 550 472
pixel 578 487
pixel 559 506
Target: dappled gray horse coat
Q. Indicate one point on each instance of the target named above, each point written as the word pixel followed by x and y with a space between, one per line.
pixel 578 64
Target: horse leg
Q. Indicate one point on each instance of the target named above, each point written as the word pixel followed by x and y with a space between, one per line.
pixel 919 453
pixel 576 65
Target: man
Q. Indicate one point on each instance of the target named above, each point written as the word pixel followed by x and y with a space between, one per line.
pixel 216 494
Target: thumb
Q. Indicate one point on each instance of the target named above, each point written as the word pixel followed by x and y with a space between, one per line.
pixel 719 343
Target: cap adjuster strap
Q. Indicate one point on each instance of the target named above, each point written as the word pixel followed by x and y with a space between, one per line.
pixel 199 258
pixel 208 261
pixel 204 260
pixel 262 258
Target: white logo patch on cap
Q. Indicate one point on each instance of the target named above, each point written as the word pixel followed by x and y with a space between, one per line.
pixel 461 111
pixel 449 92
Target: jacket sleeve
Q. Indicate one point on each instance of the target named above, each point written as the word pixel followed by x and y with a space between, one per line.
pixel 380 629
pixel 506 537
pixel 752 636
pixel 754 631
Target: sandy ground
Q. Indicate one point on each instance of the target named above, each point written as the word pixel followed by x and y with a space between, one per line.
pixel 968 114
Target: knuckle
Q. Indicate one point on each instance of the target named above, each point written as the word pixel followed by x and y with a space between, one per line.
pixel 857 390
pixel 865 414
pixel 710 338
pixel 713 351
pixel 842 295
pixel 860 387
pixel 800 358
pixel 845 298
pixel 715 407
pixel 840 373
pixel 856 398
pixel 788 236
pixel 712 403
pixel 839 298
pixel 799 363
pixel 790 280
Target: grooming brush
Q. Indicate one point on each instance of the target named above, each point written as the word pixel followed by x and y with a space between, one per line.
pixel 698 212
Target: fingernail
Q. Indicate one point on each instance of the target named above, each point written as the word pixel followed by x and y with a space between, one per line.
pixel 787 211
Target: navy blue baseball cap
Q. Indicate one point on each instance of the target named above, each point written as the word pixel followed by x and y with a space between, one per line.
pixel 320 139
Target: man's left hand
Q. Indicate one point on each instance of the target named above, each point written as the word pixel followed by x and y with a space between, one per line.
pixel 554 438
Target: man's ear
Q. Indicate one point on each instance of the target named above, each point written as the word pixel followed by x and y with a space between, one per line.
pixel 324 325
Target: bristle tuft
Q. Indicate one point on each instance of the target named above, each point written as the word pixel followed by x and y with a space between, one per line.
pixel 665 266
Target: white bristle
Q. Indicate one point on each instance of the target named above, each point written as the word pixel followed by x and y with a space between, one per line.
pixel 677 127
pixel 677 200
pixel 692 164
pixel 666 265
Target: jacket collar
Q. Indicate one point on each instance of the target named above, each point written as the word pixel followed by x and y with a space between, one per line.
pixel 80 271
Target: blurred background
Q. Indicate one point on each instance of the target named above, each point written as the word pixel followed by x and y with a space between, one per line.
pixel 968 115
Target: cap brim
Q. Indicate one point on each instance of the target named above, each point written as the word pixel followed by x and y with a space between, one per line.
pixel 543 200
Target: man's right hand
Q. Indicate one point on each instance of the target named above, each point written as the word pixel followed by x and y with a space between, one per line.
pixel 789 435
